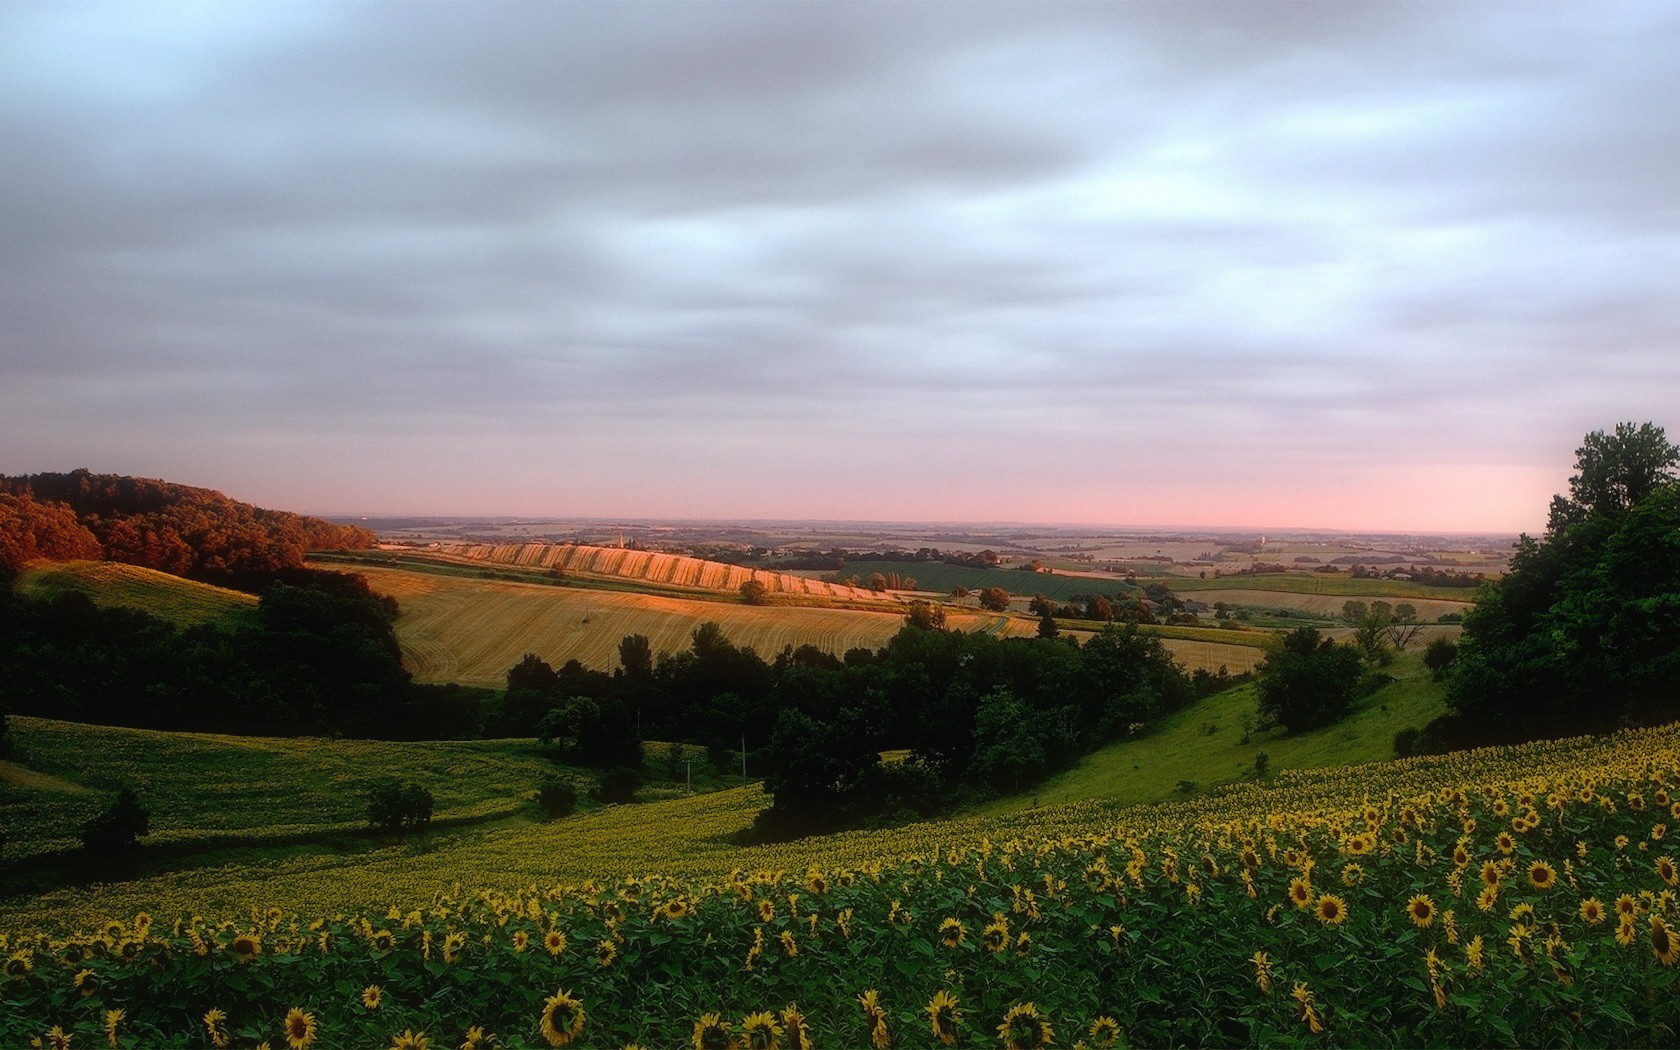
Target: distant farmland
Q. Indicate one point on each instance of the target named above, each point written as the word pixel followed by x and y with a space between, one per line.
pixel 664 570
pixel 1329 604
pixel 471 631
pixel 944 577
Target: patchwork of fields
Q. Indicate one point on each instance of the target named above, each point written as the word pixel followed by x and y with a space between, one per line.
pixel 472 631
pixel 1428 609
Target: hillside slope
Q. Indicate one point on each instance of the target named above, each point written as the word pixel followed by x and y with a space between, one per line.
pixel 1203 745
pixel 182 602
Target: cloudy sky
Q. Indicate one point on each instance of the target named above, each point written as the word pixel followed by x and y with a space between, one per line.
pixel 1274 264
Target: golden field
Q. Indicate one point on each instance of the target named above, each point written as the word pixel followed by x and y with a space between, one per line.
pixel 454 629
pixel 666 570
pixel 182 602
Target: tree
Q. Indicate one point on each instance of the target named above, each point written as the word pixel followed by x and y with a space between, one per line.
pixel 1403 626
pixel 635 657
pixel 1581 632
pixel 1310 683
pixel 1047 626
pixel 399 808
pixel 1614 472
pixel 1371 630
pixel 994 598
pixel 118 829
pixel 925 616
pixel 1438 656
pixel 557 796
pixel 754 592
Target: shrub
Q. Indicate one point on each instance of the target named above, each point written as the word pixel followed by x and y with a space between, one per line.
pixel 618 784
pixel 119 828
pixel 399 808
pixel 1310 683
pixel 1439 655
pixel 557 797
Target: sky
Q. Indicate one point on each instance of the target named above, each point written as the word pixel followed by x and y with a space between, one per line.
pixel 1338 265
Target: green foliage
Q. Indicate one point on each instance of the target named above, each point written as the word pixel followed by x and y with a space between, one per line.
pixel 1583 632
pixel 118 828
pixel 399 809
pixel 1438 656
pixel 557 796
pixel 995 599
pixel 925 616
pixel 1310 683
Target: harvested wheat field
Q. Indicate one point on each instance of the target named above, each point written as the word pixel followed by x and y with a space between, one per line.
pixel 1327 604
pixel 668 570
pixel 471 631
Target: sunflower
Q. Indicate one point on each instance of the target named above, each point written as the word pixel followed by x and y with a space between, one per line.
pixel 996 935
pixel 711 1032
pixel 113 1018
pixel 1473 953
pixel 1300 891
pixel 554 941
pixel 766 911
pixel 20 965
pixel 1332 910
pixel 1024 1029
pixel 409 1039
pixel 1491 873
pixel 605 952
pixel 215 1024
pixel 1541 875
pixel 1665 870
pixel 1626 906
pixel 521 940
pixel 476 1039
pixel 1665 943
pixel 382 941
pixel 372 996
pixel 1309 1009
pixel 1461 856
pixel 1105 1032
pixel 1353 874
pixel 870 1003
pixel 944 1016
pixel 815 883
pixel 1519 941
pixel 952 934
pixel 1421 910
pixel 57 1038
pixel 798 1031
pixel 300 1029
pixel 1263 972
pixel 562 1018
pixel 790 946
pixel 1506 843
pixel 761 1032
pixel 1592 911
pixel 452 946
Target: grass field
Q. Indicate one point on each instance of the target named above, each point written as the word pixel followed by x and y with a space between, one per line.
pixel 942 577
pixel 1329 605
pixel 182 602
pixel 1315 583
pixel 647 567
pixel 472 631
pixel 205 787
pixel 1149 768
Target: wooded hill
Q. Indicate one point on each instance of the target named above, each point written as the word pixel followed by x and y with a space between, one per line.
pixel 178 529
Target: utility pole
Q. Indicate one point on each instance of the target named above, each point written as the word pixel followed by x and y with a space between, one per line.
pixel 690 762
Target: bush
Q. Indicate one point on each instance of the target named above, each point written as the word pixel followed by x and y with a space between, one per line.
pixel 618 784
pixel 1439 655
pixel 557 797
pixel 399 808
pixel 1407 742
pixel 119 828
pixel 1310 683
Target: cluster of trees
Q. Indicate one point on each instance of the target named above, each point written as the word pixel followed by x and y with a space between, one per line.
pixel 1582 634
pixel 318 657
pixel 1379 626
pixel 178 529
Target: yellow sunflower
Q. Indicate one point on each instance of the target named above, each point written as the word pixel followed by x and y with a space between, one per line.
pixel 605 952
pixel 952 934
pixel 944 1016
pixel 372 996
pixel 1421 910
pixel 1665 870
pixel 1664 942
pixel 57 1039
pixel 711 1032
pixel 996 935
pixel 1592 911
pixel 1332 910
pixel 246 946
pixel 476 1039
pixel 798 1031
pixel 1105 1032
pixel 1300 892
pixel 562 1018
pixel 113 1018
pixel 87 982
pixel 1541 875
pixel 1309 1009
pixel 300 1029
pixel 761 1032
pixel 1023 1029
pixel 554 941
pixel 1263 972
pixel 215 1025
pixel 409 1039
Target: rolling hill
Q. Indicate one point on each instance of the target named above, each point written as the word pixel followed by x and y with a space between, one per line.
pixel 182 602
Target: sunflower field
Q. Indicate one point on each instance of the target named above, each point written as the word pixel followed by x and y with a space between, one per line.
pixel 1519 896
